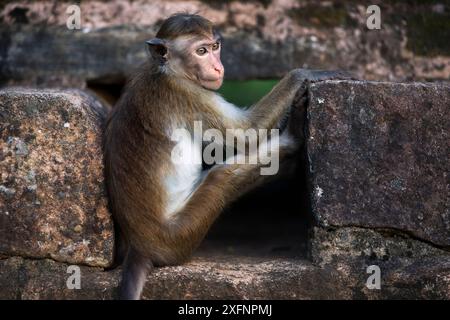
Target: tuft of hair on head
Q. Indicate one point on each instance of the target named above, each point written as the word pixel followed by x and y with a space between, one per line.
pixel 185 24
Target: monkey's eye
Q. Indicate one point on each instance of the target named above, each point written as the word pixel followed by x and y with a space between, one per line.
pixel 216 46
pixel 201 51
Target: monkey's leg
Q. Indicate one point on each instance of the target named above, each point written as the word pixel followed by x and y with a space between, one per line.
pixel 222 185
pixel 247 177
pixel 187 228
pixel 184 232
pixel 134 274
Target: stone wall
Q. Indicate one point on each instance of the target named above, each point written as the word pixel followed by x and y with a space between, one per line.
pixel 378 182
pixel 52 201
pixel 376 152
pixel 262 39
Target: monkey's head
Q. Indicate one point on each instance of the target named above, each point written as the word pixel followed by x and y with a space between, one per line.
pixel 188 46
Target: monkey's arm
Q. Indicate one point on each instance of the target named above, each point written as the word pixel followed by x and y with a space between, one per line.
pixel 271 109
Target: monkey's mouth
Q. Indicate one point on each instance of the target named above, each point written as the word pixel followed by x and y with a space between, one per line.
pixel 212 79
pixel 213 83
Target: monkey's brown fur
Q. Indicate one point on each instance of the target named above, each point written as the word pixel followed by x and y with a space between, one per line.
pixel 137 153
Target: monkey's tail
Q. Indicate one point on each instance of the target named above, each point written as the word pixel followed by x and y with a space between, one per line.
pixel 120 248
pixel 134 274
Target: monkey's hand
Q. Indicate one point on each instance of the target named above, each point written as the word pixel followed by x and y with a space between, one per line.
pixel 305 75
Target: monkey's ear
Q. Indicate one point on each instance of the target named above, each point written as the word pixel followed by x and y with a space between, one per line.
pixel 158 49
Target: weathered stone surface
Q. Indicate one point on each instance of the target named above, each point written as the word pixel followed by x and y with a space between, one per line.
pixel 361 137
pixel 52 201
pixel 46 279
pixel 409 268
pixel 378 156
pixel 427 278
pixel 235 277
pixel 76 57
pixel 238 277
pixel 263 39
pixel 347 243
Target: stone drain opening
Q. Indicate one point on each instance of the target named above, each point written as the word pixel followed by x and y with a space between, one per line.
pixel 273 221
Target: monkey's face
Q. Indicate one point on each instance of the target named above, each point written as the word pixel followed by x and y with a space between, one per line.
pixel 193 57
pixel 197 58
pixel 203 62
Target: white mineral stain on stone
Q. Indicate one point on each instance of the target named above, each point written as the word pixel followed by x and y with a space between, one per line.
pixel 32 187
pixel 66 125
pixel 320 100
pixel 31 176
pixel 67 250
pixel 319 192
pixel 20 147
pixel 7 191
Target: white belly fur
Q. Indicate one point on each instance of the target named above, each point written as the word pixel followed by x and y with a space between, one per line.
pixel 183 178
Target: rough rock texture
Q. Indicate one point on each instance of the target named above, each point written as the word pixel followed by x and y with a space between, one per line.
pixel 331 245
pixel 238 277
pixel 378 168
pixel 409 268
pixel 263 39
pixel 52 201
pixel 46 279
pixel 378 156
pixel 235 277
pixel 242 278
pixel 105 55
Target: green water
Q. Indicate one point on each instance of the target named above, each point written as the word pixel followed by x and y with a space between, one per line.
pixel 245 93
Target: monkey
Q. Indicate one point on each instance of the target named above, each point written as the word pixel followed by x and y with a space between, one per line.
pixel 164 210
